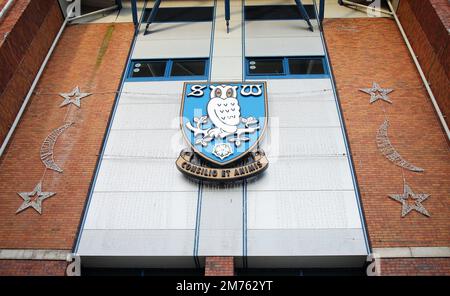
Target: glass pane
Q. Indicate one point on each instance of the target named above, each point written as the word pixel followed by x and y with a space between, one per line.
pixel 277 12
pixel 188 68
pixel 148 69
pixel 265 66
pixel 181 14
pixel 306 66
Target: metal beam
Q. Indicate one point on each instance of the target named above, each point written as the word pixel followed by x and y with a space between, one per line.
pixel 322 10
pixel 134 13
pixel 152 15
pixel 304 14
pixel 227 14
pixel 119 4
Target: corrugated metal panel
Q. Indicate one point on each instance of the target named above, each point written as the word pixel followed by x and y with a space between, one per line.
pixel 166 40
pixel 141 175
pixel 304 142
pixel 144 143
pixel 302 210
pixel 221 222
pixel 309 173
pixel 282 38
pixel 317 113
pixel 147 116
pixel 142 210
pixel 306 242
pixel 132 242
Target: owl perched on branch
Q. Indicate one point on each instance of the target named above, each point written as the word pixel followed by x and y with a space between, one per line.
pixel 223 108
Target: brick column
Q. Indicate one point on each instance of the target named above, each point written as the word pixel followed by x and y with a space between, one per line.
pixel 219 266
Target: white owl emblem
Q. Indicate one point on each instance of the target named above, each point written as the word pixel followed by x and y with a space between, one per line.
pixel 223 108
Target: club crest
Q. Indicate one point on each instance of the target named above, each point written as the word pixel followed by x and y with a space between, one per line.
pixel 224 122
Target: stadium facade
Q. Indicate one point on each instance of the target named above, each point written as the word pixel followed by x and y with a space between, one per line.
pixel 116 158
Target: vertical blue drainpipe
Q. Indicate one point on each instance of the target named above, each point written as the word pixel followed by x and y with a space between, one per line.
pixel 227 14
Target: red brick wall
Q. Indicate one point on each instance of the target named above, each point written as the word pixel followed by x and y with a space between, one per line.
pixel 29 29
pixel 415 266
pixel 93 57
pixel 367 50
pixel 32 268
pixel 219 266
pixel 426 23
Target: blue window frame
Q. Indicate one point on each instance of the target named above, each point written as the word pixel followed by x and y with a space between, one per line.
pixel 168 69
pixel 286 67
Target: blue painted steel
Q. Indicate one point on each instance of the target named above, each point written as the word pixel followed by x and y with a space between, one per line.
pixel 322 10
pixel 134 13
pixel 152 15
pixel 119 4
pixel 227 14
pixel 304 13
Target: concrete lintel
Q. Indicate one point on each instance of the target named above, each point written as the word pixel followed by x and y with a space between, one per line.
pixel 413 252
pixel 21 254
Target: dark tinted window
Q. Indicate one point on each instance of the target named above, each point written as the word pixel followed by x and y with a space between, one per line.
pixel 306 66
pixel 272 66
pixel 168 68
pixel 277 12
pixel 181 14
pixel 187 68
pixel 148 69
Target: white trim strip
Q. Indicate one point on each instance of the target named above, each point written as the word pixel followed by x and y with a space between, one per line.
pixel 21 254
pixel 413 252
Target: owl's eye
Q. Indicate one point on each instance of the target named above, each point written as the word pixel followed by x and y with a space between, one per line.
pixel 229 92
pixel 218 92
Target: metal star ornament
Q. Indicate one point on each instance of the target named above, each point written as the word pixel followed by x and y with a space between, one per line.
pixel 377 93
pixel 34 198
pixel 408 207
pixel 74 97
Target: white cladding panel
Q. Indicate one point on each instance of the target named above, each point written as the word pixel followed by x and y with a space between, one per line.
pixel 221 221
pixel 163 116
pixel 226 64
pixel 141 205
pixel 282 38
pixel 165 144
pixel 136 242
pixel 135 175
pixel 221 231
pixel 302 210
pixel 305 173
pixel 142 210
pixel 166 40
pixel 306 242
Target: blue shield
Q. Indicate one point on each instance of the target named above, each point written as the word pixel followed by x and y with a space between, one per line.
pixel 224 121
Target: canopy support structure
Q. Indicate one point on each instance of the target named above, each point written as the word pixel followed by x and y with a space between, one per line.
pixel 152 16
pixel 134 13
pixel 322 10
pixel 227 14
pixel 304 14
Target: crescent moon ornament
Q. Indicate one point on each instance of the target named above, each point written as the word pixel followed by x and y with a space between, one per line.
pixel 387 149
pixel 48 145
